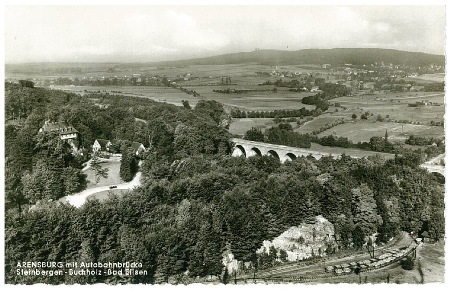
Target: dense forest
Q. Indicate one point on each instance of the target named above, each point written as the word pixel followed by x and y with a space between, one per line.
pixel 195 201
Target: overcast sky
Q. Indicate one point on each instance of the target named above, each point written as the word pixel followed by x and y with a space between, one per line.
pixel 157 33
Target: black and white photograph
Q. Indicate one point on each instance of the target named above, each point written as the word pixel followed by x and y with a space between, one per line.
pixel 221 145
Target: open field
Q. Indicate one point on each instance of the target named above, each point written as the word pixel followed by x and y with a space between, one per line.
pixel 360 131
pixel 113 174
pixel 262 98
pixel 161 94
pixel 241 125
pixel 438 77
pixel 395 105
pixel 264 101
pixel 320 121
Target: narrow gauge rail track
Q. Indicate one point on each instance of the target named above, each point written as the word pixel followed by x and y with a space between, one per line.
pixel 303 272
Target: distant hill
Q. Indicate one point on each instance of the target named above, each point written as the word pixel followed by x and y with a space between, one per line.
pixel 338 56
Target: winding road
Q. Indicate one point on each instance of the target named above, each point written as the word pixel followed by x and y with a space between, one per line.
pixel 434 165
pixel 80 198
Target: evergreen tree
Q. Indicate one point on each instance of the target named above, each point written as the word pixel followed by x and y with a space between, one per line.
pixel 128 165
pixel 99 171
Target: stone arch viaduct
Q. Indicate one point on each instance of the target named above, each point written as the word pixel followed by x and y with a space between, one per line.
pixel 249 148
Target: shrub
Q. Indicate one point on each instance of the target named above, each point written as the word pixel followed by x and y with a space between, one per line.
pixel 408 263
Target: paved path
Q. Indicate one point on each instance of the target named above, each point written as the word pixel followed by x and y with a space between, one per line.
pixel 80 198
pixel 436 160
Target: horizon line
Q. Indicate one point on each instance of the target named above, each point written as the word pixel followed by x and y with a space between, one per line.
pixel 216 55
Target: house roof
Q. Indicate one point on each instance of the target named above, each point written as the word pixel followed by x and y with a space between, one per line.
pixel 58 126
pixel 136 145
pixel 102 142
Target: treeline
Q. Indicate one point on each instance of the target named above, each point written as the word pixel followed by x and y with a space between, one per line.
pixel 289 84
pixel 420 140
pixel 282 134
pixel 316 100
pixel 189 210
pixel 239 91
pixel 302 112
pixel 329 91
pixel 332 90
pixel 113 81
pixel 376 143
pixel 434 87
pixel 380 144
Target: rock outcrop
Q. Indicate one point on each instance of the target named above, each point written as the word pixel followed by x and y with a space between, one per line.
pixel 303 241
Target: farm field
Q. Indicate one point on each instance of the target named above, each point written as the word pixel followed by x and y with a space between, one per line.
pixel 395 105
pixel 262 100
pixel 160 94
pixel 438 77
pixel 319 122
pixel 362 131
pixel 240 125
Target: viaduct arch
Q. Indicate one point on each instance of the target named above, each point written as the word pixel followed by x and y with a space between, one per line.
pixel 249 148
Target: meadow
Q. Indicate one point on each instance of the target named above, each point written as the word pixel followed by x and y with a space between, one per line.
pixel 439 77
pixel 321 121
pixel 395 105
pixel 363 130
pixel 239 126
pixel 160 94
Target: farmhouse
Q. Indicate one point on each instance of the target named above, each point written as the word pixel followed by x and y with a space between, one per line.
pixel 138 148
pixel 101 145
pixel 113 146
